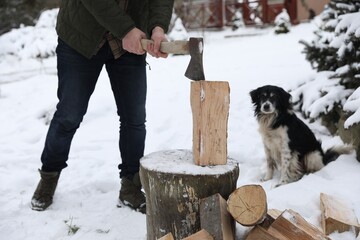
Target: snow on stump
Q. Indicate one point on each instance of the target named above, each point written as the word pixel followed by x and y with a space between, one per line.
pixel 248 205
pixel 174 186
pixel 210 101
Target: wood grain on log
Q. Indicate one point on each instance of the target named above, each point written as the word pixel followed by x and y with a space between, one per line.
pixel 248 205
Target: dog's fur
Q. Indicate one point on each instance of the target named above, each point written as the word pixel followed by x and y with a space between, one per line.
pixel 290 145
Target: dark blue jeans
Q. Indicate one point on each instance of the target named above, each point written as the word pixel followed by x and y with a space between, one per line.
pixel 77 77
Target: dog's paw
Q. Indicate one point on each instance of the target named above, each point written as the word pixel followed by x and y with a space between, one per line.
pixel 264 179
pixel 281 183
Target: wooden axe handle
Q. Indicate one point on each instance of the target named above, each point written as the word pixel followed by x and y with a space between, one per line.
pixel 175 47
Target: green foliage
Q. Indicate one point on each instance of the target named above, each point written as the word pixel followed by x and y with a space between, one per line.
pixel 72 228
pixel 102 231
pixel 319 52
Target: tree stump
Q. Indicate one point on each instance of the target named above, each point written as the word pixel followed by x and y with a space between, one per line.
pixel 210 102
pixel 174 186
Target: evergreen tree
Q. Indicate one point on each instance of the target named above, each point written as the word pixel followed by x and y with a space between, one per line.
pixel 319 52
pixel 282 22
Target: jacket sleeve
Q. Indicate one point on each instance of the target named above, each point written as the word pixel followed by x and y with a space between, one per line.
pixel 110 16
pixel 160 12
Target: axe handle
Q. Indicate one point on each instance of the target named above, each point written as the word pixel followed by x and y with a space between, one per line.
pixel 175 47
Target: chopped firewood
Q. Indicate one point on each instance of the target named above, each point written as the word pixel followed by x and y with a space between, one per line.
pixel 336 215
pixel 260 233
pixel 168 236
pixel 215 218
pixel 200 235
pixel 271 215
pixel 293 226
pixel 247 205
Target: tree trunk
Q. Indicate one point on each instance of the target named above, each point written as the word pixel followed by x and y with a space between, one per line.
pixel 174 186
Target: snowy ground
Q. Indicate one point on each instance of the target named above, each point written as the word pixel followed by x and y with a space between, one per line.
pixel 88 189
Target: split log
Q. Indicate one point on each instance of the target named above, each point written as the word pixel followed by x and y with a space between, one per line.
pixel 293 226
pixel 168 236
pixel 215 218
pixel 336 215
pixel 210 101
pixel 174 186
pixel 200 235
pixel 260 233
pixel 271 215
pixel 247 205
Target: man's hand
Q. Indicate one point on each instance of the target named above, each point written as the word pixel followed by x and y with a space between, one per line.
pixel 157 36
pixel 132 41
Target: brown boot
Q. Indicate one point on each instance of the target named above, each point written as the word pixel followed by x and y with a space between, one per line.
pixel 131 194
pixel 43 195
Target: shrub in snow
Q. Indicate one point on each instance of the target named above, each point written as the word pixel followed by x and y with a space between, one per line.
pixel 282 22
pixel 37 41
pixel 237 20
pixel 178 31
pixel 335 53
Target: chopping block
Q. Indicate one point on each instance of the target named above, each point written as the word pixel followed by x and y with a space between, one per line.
pixel 174 186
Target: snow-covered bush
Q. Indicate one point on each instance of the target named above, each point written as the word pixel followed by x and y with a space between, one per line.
pixel 335 53
pixel 37 41
pixel 282 22
pixel 178 31
pixel 237 20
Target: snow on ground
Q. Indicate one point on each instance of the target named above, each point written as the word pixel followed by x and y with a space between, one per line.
pixel 88 189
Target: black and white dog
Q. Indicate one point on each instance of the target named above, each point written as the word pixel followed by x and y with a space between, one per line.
pixel 290 145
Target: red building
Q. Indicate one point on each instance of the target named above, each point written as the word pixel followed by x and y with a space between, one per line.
pixel 219 13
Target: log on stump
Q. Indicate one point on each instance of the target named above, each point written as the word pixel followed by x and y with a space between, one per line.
pixel 210 101
pixel 336 215
pixel 248 205
pixel 174 186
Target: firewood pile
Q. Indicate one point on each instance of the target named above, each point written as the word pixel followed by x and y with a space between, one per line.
pixel 247 206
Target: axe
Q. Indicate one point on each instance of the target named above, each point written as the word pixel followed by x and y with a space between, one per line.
pixel 194 47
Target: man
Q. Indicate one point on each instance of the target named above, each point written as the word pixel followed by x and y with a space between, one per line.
pixel 93 33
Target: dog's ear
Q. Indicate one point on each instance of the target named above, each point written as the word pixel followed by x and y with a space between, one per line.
pixel 286 99
pixel 254 95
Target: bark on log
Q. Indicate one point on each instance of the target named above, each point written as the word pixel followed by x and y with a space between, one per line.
pixel 215 218
pixel 210 101
pixel 248 205
pixel 174 186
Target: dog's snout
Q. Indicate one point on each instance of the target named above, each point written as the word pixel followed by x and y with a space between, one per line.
pixel 266 106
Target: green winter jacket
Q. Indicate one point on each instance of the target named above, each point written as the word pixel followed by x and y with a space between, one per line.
pixel 83 23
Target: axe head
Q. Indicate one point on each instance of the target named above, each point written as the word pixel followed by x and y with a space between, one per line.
pixel 195 70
